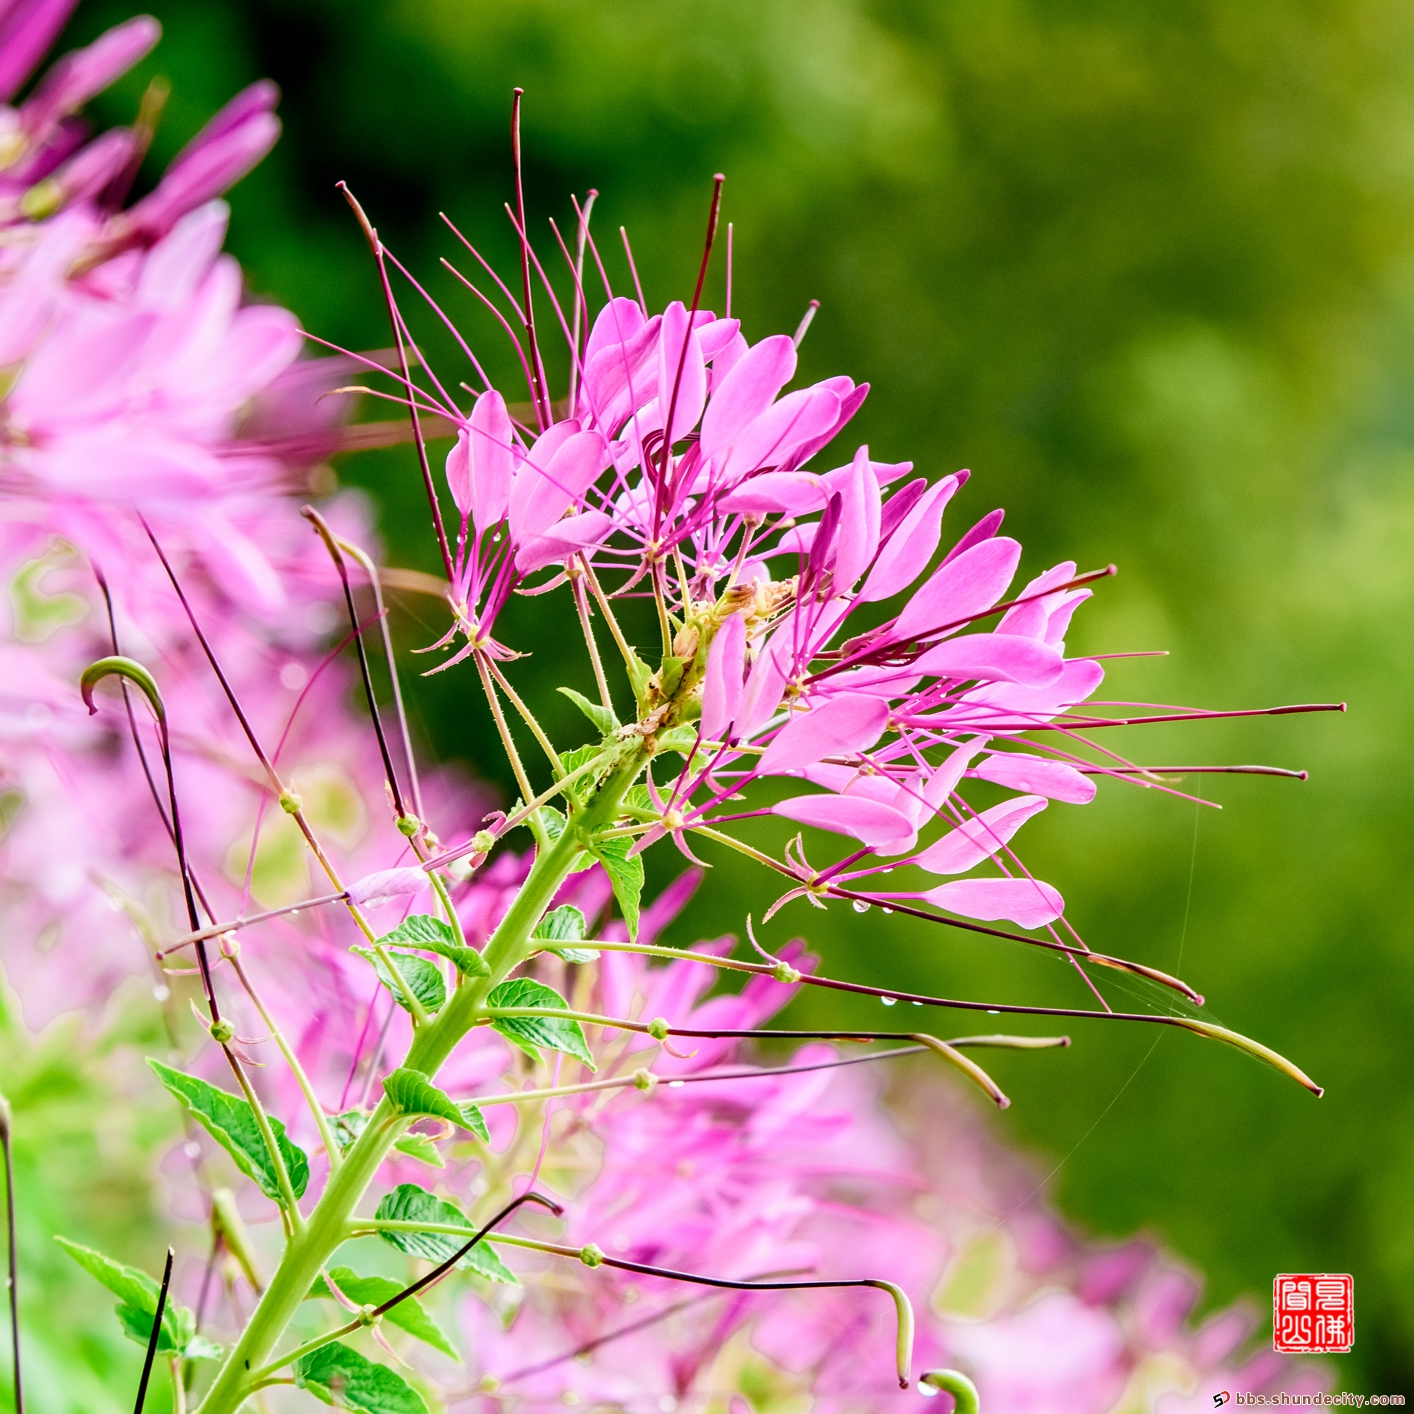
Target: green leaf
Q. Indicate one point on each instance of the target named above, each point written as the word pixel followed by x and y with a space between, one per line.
pixel 137 1295
pixel 339 1375
pixel 421 1148
pixel 555 1033
pixel 411 1093
pixel 561 925
pixel 639 674
pixel 670 673
pixel 433 935
pixel 638 799
pixel 603 718
pixel 679 739
pixel 199 1348
pixel 348 1126
pixel 409 1314
pixel 230 1121
pixel 420 977
pixel 625 873
pixel 409 1203
pixel 554 823
pixel 474 1120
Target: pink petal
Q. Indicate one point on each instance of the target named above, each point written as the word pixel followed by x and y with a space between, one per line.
pixel 869 821
pixel 563 539
pixel 765 685
pixel 1026 902
pixel 774 492
pixel 747 390
pixel 551 492
pixel 386 885
pixel 983 530
pixel 842 726
pixel 681 369
pixel 993 657
pixel 908 550
pixel 722 680
pixel 858 537
pixel 979 838
pixel 619 379
pixel 769 440
pixel 492 460
pixel 1014 706
pixel 968 585
pixel 1019 771
pixel 616 323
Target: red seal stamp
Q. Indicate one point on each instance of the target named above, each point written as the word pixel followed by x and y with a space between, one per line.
pixel 1313 1314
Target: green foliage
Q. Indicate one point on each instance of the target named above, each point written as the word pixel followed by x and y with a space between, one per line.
pixel 409 1203
pixel 137 1295
pixel 625 873
pixel 231 1122
pixel 554 1033
pixel 409 1314
pixel 339 1375
pixel 419 977
pixel 562 926
pixel 433 935
pixel 604 719
pixel 411 1093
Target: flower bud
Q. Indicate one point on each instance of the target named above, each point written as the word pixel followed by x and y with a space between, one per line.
pixel 483 841
pixel 290 802
pixel 222 1032
pixel 645 1080
pixel 408 825
pixel 591 1255
pixel 658 1028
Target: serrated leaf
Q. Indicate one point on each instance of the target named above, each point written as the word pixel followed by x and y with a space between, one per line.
pixel 137 1295
pixel 433 935
pixel 554 823
pixel 409 1203
pixel 625 873
pixel 555 1033
pixel 421 1148
pixel 348 1126
pixel 638 798
pixel 411 1093
pixel 409 1314
pixel 603 718
pixel 680 739
pixel 339 1375
pixel 230 1121
pixel 561 925
pixel 420 977
pixel 474 1120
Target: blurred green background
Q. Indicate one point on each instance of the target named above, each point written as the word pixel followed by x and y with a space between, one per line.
pixel 1148 269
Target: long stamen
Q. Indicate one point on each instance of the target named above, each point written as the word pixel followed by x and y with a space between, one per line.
pixel 538 393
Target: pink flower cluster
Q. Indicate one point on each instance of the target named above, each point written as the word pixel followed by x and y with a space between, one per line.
pixel 800 679
pixel 140 385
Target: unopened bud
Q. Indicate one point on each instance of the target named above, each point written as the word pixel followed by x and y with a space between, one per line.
pixel 645 1080
pixel 483 841
pixel 290 802
pixel 739 596
pixel 658 1028
pixel 591 1255
pixel 784 972
pixel 408 825
pixel 222 1032
pixel 685 644
pixel 366 1316
pixel 229 945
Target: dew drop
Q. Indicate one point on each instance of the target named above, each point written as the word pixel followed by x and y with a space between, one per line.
pixel 889 1001
pixel 918 1004
pixel 676 1084
pixel 860 906
pixel 990 1012
pixel 888 912
pixel 161 991
pixel 927 1391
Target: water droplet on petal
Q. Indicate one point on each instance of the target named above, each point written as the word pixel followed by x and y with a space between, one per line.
pixel 889 1001
pixel 860 906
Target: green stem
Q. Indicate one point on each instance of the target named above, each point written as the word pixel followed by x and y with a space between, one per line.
pixel 327 1227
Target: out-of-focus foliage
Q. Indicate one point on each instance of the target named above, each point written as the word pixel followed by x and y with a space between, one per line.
pixel 1148 269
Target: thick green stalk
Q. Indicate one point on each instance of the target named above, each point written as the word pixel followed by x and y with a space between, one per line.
pixel 327 1226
